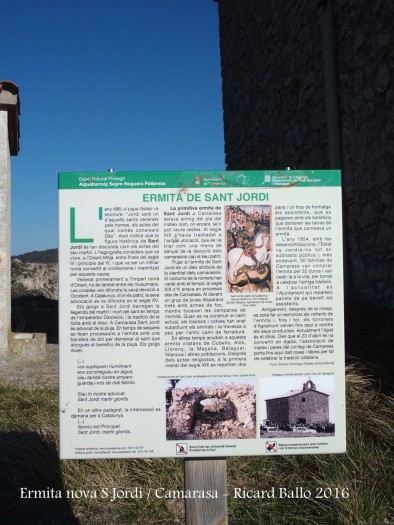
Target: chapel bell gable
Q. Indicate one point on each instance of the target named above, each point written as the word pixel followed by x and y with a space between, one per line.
pixel 309 385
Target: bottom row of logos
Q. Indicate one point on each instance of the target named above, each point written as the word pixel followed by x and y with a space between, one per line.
pixel 182 449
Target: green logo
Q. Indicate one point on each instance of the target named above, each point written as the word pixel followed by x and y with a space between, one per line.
pixel 73 238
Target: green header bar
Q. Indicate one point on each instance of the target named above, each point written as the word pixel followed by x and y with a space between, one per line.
pixel 198 179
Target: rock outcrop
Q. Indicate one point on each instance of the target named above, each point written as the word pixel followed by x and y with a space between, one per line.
pixel 34 293
pixel 31 278
pixel 233 418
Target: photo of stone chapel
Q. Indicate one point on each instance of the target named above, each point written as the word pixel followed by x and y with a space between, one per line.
pixel 304 411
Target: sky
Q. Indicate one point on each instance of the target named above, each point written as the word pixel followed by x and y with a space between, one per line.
pixel 127 84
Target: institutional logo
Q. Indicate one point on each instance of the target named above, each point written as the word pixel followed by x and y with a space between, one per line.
pixel 181 449
pixel 270 446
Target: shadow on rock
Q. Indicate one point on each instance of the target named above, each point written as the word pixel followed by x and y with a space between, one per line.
pixel 31 489
pixel 369 340
pixel 36 313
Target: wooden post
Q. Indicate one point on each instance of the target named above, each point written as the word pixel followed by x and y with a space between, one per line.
pixel 206 474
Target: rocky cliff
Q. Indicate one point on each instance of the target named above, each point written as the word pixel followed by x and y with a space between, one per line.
pixel 34 293
pixel 34 278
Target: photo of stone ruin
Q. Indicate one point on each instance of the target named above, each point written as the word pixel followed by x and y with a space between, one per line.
pixel 225 410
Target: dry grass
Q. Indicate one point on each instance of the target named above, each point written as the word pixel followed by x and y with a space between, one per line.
pixel 364 472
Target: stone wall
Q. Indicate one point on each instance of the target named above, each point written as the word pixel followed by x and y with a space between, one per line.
pixel 288 410
pixel 365 74
pixel 185 418
pixel 275 112
pixel 5 239
pixel 278 410
pixel 314 409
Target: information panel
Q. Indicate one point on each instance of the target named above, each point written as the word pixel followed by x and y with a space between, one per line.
pixel 201 314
